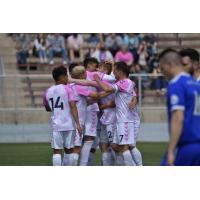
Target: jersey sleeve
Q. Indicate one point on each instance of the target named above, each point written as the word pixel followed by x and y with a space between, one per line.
pixel 122 85
pixel 176 97
pixel 45 102
pixel 83 90
pixel 70 94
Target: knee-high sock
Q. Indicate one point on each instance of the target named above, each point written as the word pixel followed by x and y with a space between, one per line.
pixel 106 158
pixel 73 159
pixel 128 160
pixel 85 152
pixel 66 159
pixel 137 157
pixel 56 159
pixel 119 161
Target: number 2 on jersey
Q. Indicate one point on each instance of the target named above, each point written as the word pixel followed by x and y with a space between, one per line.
pixel 58 104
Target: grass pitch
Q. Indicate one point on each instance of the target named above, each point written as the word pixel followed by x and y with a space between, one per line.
pixel 39 154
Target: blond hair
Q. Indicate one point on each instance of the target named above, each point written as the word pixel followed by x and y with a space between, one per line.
pixel 78 70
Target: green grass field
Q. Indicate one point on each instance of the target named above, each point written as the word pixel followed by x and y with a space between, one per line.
pixel 40 154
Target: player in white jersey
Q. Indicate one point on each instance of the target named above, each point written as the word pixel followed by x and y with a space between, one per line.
pixel 59 100
pixel 124 91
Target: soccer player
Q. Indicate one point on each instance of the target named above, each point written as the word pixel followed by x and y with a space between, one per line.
pixel 190 62
pixel 59 100
pixel 124 89
pixel 183 103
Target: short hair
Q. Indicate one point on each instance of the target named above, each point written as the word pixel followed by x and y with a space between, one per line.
pixel 71 66
pixel 59 71
pixel 107 65
pixel 78 70
pixel 90 60
pixel 170 56
pixel 193 54
pixel 123 67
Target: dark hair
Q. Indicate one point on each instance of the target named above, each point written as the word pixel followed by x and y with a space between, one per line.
pixel 59 71
pixel 71 66
pixel 122 66
pixel 165 52
pixel 191 53
pixel 90 60
pixel 107 65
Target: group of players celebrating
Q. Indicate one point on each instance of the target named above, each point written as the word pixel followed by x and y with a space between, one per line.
pixel 94 105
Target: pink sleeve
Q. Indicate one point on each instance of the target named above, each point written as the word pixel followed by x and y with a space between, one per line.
pixel 90 75
pixel 83 90
pixel 134 93
pixel 45 102
pixel 70 93
pixel 123 85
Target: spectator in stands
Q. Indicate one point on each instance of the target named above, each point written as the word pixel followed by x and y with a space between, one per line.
pixel 143 55
pixel 113 42
pixel 75 46
pixel 56 47
pixel 40 47
pixel 22 47
pixel 102 54
pixel 124 55
pixel 93 41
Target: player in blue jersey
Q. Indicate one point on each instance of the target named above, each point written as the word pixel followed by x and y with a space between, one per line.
pixel 183 104
pixel 190 62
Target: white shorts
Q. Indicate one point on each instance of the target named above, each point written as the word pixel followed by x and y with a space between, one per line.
pixel 107 133
pixel 62 139
pixel 78 139
pixel 91 124
pixel 125 133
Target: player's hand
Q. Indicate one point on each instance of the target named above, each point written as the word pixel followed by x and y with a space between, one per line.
pixel 96 77
pixel 131 105
pixel 80 130
pixel 170 158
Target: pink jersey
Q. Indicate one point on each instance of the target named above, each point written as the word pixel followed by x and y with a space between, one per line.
pixel 81 93
pixel 124 94
pixel 57 98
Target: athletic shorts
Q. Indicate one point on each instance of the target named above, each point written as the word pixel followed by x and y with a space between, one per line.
pixel 125 133
pixel 107 133
pixel 91 124
pixel 62 139
pixel 78 139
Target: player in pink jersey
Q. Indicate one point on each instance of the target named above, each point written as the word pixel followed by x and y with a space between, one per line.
pixel 124 90
pixel 59 100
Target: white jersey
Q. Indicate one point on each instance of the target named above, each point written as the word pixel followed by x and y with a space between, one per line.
pixel 81 93
pixel 124 94
pixel 57 98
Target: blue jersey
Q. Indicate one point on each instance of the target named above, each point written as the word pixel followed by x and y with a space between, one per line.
pixel 184 94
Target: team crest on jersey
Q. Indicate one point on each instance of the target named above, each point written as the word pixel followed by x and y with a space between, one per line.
pixel 174 99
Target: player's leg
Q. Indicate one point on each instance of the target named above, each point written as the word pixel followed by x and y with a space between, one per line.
pixel 57 146
pixel 125 139
pixel 104 146
pixel 91 160
pixel 89 137
pixel 136 154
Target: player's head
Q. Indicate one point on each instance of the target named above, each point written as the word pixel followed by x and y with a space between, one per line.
pixel 90 64
pixel 105 67
pixel 79 72
pixel 190 60
pixel 169 62
pixel 121 70
pixel 60 75
pixel 71 66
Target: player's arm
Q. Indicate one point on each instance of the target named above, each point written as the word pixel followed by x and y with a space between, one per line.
pixel 45 103
pixel 133 103
pixel 102 85
pixel 74 112
pixel 110 104
pixel 48 109
pixel 83 82
pixel 175 133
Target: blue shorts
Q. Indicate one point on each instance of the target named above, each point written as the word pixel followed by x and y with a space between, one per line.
pixel 187 155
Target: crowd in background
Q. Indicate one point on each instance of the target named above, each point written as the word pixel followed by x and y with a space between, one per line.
pixel 139 51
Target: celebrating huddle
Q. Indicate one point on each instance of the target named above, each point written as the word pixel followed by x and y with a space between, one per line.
pixel 94 105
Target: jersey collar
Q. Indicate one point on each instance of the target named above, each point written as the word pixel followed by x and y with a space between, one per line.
pixel 176 78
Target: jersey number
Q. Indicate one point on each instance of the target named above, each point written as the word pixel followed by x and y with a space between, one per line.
pixel 197 104
pixel 58 104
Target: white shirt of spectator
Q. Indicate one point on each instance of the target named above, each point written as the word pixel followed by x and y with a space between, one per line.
pixel 75 42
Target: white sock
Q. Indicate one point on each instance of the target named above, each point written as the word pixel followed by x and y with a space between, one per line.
pixel 85 152
pixel 137 157
pixel 66 159
pixel 57 160
pixel 91 159
pixel 73 159
pixel 106 159
pixel 113 156
pixel 119 161
pixel 128 160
